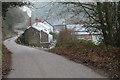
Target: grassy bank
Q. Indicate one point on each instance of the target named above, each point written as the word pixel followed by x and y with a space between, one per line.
pixel 98 56
pixel 6 60
pixel 0 60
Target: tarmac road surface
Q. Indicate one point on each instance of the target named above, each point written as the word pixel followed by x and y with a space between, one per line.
pixel 30 62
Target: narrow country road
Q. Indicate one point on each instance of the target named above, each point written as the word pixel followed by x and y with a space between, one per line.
pixel 29 62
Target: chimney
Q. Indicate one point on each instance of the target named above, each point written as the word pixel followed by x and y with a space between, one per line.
pixel 40 20
pixel 36 20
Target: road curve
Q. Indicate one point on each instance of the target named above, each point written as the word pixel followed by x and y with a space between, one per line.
pixel 29 62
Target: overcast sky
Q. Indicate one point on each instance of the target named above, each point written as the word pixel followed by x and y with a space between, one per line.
pixel 53 12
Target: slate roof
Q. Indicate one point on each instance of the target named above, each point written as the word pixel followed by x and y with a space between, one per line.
pixel 40 26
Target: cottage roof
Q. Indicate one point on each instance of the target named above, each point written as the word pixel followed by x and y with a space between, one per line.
pixel 41 26
pixel 82 30
pixel 49 25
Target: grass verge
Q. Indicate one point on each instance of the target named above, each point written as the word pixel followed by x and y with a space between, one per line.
pixel 6 61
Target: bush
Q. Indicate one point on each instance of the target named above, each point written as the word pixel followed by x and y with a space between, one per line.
pixel 66 36
pixel 34 44
pixel 68 40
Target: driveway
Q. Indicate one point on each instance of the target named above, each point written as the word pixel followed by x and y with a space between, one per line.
pixel 30 62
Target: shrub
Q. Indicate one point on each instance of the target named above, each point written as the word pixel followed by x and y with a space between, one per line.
pixel 65 36
pixel 34 44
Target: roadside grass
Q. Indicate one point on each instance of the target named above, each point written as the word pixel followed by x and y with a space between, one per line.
pixel 0 54
pixel 6 60
pixel 99 56
pixel 0 60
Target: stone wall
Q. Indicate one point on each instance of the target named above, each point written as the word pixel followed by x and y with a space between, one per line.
pixel 44 37
pixel 32 36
